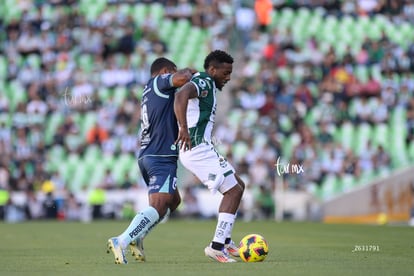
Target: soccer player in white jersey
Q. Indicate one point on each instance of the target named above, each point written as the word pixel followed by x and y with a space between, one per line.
pixel 195 108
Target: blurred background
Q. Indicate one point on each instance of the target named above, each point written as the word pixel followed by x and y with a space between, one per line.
pixel 318 118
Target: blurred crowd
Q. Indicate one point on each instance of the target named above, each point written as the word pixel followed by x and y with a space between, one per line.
pixel 62 63
pixel 321 93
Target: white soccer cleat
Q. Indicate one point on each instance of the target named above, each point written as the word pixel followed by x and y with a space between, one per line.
pixel 114 246
pixel 137 249
pixel 232 249
pixel 218 255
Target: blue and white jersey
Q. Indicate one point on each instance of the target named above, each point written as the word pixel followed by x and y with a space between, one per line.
pixel 159 128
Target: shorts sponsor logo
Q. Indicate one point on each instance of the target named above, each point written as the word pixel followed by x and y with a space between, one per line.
pixel 155 188
pixel 153 179
pixel 144 222
pixel 212 176
pixel 174 184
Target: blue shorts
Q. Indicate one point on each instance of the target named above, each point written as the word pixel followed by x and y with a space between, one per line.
pixel 160 173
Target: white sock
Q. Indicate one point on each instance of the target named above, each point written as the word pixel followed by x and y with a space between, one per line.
pixel 140 225
pixel 224 226
pixel 231 228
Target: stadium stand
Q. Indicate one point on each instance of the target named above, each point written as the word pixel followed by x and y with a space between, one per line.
pixel 327 87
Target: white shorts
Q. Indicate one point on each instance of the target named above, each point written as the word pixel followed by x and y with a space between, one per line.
pixel 210 167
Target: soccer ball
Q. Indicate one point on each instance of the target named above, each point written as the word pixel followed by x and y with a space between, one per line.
pixel 253 248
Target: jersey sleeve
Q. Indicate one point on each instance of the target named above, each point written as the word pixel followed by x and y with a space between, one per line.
pixel 163 84
pixel 202 84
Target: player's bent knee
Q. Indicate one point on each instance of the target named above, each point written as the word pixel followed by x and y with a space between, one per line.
pixel 229 184
pixel 175 202
pixel 161 202
pixel 240 181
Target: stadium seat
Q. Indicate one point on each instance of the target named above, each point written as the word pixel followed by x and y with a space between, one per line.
pixel 381 135
pixel 124 9
pixel 92 8
pixel 260 140
pixel 284 74
pixel 137 91
pixel 3 67
pixel 366 177
pixel 108 160
pixel 52 123
pixel 363 133
pixel 12 11
pixel 411 151
pixel 104 92
pixel 347 135
pixel 97 175
pixel 139 13
pixel 286 17
pixel 312 116
pixel 348 182
pixel 156 10
pixel 34 60
pixel 289 143
pixel 398 116
pixel 123 164
pixel 6 119
pixel 64 171
pixel 85 62
pixel 235 117
pixel 92 153
pixel 56 155
pixel 166 28
pixel 48 11
pixel 330 187
pixel 120 94
pixel 87 122
pixel 361 72
pixel 134 173
pixel 398 152
pixel 18 93
pixel 240 150
pixel 72 160
pixel 80 178
pixel 250 118
pixel 285 122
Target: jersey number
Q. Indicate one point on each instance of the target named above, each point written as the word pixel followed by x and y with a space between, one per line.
pixel 144 118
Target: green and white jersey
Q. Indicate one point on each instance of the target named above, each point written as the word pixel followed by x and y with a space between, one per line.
pixel 201 111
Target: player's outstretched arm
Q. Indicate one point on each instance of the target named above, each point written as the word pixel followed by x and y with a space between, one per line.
pixel 188 91
pixel 182 76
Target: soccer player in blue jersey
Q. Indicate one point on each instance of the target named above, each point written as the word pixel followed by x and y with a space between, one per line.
pixel 195 107
pixel 157 157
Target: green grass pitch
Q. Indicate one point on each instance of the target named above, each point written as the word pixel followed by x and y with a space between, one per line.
pixel 176 248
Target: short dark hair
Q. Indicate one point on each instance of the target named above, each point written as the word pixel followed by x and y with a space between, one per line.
pixel 216 57
pixel 160 63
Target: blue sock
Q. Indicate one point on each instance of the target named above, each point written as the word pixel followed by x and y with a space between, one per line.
pixel 140 225
pixel 161 219
pixel 166 216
